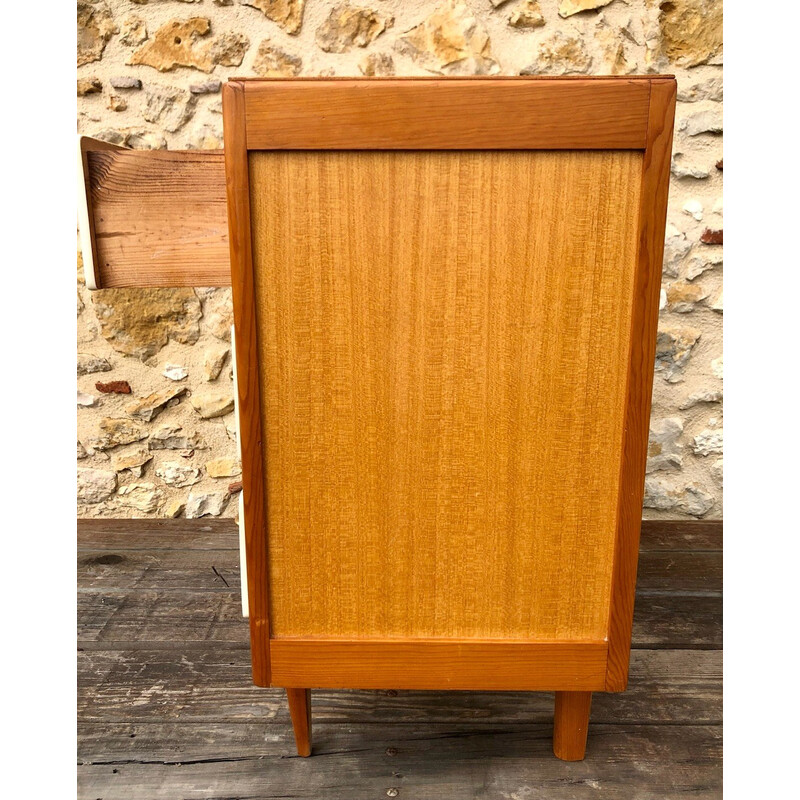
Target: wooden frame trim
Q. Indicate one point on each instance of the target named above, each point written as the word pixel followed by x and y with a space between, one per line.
pixel 475 665
pixel 249 401
pixel 446 114
pixel 644 327
pixel 86 227
pixel 422 78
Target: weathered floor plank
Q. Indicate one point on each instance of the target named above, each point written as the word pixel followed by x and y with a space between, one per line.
pixel 158 534
pixel 214 685
pixel 191 742
pixel 671 534
pixel 679 571
pixel 677 621
pixel 121 619
pixel 147 619
pixel 173 570
pixel 429 762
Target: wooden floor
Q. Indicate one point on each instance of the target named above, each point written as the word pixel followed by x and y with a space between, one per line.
pixel 166 707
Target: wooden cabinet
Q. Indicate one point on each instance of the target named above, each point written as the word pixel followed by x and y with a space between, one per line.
pixel 445 296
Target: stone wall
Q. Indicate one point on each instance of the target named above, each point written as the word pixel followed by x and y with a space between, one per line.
pixel 155 422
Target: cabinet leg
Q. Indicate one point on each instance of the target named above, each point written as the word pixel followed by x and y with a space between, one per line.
pixel 571 725
pixel 300 711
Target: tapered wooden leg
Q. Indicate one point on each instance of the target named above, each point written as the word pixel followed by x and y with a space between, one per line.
pixel 300 711
pixel 571 725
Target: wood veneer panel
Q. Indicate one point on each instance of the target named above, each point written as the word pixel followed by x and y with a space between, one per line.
pixel 446 114
pixel 488 665
pixel 443 342
pixel 159 218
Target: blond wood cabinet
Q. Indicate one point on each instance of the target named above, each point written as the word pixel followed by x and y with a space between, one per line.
pixel 445 295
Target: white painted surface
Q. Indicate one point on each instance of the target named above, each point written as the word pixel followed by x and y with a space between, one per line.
pixel 242 540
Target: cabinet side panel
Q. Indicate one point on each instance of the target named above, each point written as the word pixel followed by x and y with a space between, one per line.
pixel 442 339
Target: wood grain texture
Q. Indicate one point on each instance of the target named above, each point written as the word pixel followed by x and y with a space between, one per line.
pixel 214 684
pixel 148 619
pixel 86 226
pixel 660 573
pixel 443 341
pixel 245 79
pixel 207 533
pixel 159 218
pixel 454 113
pixel 644 323
pixel 165 761
pixel 681 534
pixel 437 664
pixel 143 571
pixel 249 395
pixel 156 742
